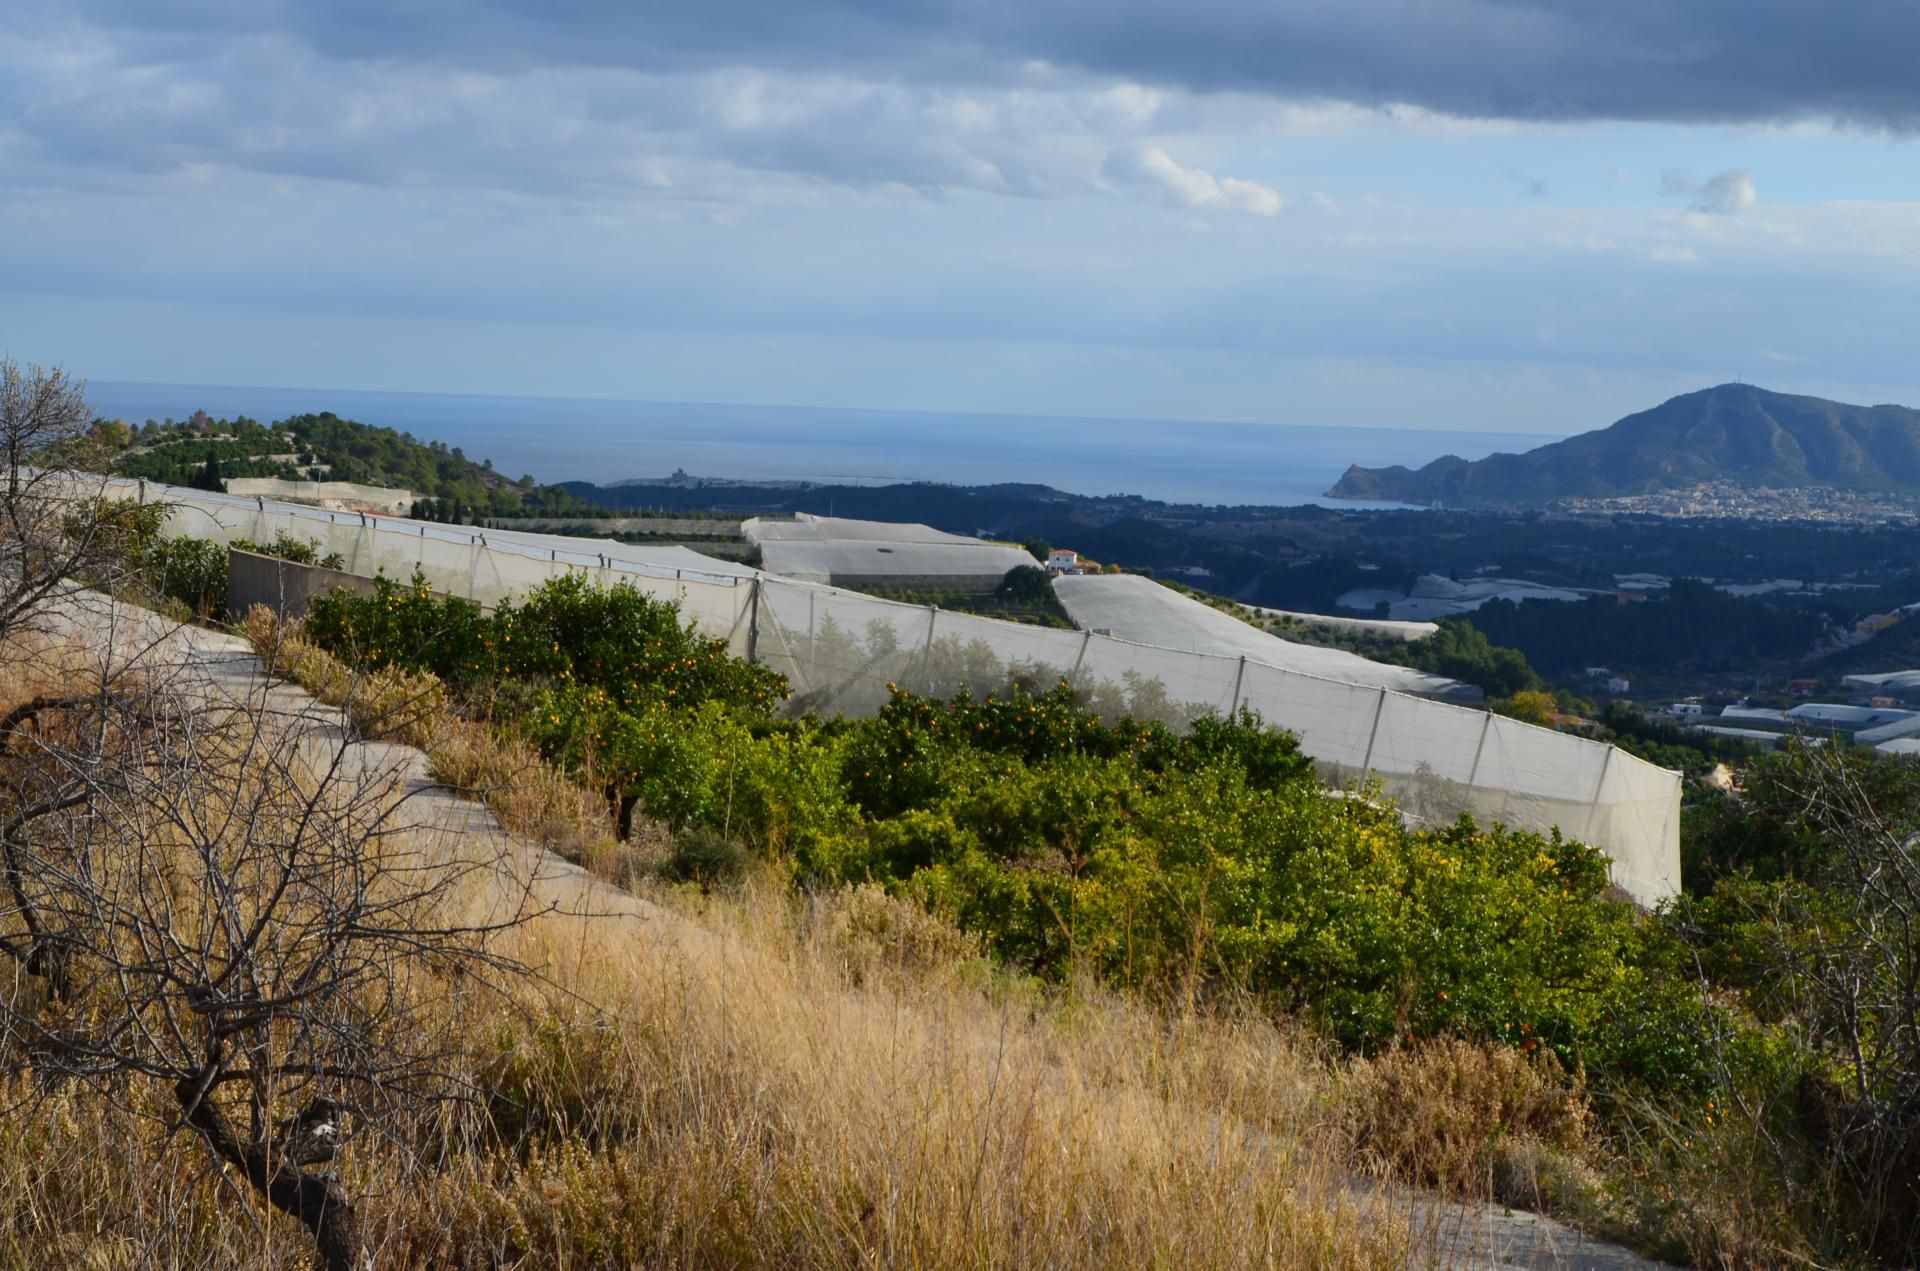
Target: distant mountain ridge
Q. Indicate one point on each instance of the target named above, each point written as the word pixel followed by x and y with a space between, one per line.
pixel 1731 433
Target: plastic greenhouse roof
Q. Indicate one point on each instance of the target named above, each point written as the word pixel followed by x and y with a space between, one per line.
pixel 868 558
pixel 828 529
pixel 1141 610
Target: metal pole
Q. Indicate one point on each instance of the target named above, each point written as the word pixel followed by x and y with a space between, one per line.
pixel 1473 773
pixel 1379 707
pixel 1601 781
pixel 1240 678
pixel 926 653
pixel 1086 638
pixel 753 622
pixel 813 644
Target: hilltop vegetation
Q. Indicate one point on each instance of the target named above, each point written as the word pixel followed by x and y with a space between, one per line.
pixel 205 452
pixel 1694 627
pixel 1733 433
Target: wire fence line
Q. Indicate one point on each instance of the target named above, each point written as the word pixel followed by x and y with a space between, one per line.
pixel 843 652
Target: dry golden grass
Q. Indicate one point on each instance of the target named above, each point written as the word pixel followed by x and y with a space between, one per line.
pixel 838 1080
pixel 533 799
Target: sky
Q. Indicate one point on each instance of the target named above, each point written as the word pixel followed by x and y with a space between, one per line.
pixel 1512 215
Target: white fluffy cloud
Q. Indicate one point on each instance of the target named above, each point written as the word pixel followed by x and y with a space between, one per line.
pixel 1149 168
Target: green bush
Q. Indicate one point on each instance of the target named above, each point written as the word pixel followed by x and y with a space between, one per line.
pixel 1213 861
pixel 632 648
pixel 192 571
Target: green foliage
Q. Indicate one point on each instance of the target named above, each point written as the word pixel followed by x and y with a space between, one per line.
pixel 1532 706
pixel 1025 595
pixel 301 551
pixel 1207 862
pixel 209 477
pixel 1028 584
pixel 1461 651
pixel 1665 743
pixel 1804 914
pixel 192 571
pixel 632 649
pixel 1217 859
pixel 1694 627
pixel 1771 830
pixel 204 453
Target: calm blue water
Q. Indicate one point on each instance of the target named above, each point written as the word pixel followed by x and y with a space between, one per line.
pixel 566 439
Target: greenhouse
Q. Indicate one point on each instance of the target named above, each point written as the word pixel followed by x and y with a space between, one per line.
pixel 842 650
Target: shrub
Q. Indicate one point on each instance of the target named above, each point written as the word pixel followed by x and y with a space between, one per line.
pixel 1449 1114
pixel 301 551
pixel 632 648
pixel 192 571
pixel 706 856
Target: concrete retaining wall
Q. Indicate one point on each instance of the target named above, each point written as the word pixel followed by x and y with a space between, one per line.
pixel 281 585
pixel 345 494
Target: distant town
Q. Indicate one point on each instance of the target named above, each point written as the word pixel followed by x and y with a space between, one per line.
pixel 1722 500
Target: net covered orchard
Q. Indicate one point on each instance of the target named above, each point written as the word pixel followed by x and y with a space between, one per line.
pixel 842 650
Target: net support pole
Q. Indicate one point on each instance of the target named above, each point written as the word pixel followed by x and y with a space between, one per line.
pixel 753 621
pixel 1240 678
pixel 1085 640
pixel 926 651
pixel 1379 709
pixel 1473 773
pixel 1600 782
pixel 1593 809
pixel 813 647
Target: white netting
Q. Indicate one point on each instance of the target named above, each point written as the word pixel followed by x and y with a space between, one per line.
pixel 841 650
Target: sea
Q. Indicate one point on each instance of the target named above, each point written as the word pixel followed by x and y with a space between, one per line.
pixel 606 441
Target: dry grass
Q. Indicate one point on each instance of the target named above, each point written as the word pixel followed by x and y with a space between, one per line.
pixel 1444 1113
pixel 731 1096
pixel 533 800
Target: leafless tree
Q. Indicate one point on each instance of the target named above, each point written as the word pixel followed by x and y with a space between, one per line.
pixel 54 522
pixel 232 906
pixel 1835 951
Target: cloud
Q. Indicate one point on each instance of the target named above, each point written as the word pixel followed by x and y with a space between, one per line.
pixel 1722 194
pixel 1152 169
pixel 1529 60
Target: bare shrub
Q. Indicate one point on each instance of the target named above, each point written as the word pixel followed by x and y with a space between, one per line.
pixel 223 921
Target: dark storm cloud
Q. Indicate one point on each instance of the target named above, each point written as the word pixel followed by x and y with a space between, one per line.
pixel 1546 60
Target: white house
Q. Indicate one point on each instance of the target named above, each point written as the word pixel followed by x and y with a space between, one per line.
pixel 1063 561
pixel 1685 710
pixel 1618 685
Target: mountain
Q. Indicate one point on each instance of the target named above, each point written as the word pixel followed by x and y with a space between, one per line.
pixel 1734 433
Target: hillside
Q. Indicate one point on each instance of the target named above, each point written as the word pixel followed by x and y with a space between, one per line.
pixel 325 447
pixel 1735 433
